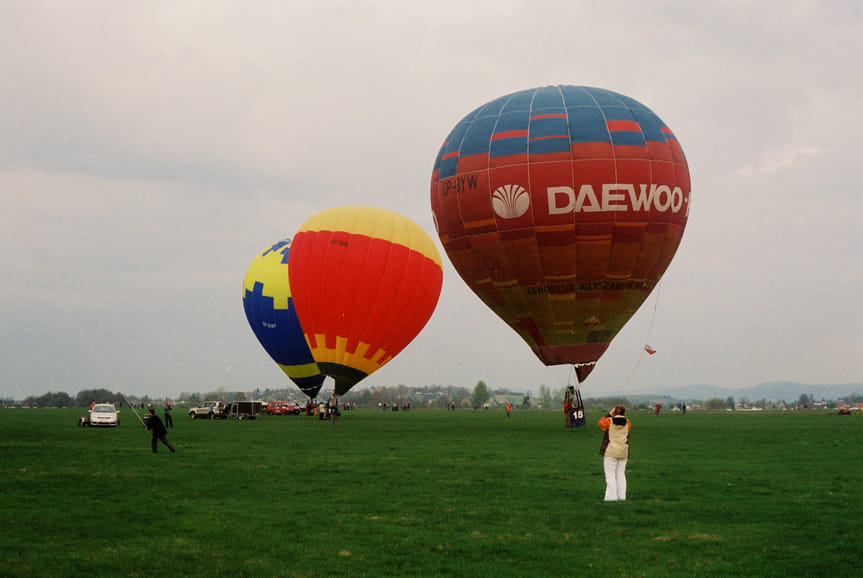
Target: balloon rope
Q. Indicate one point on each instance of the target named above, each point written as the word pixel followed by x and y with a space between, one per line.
pixel 96 356
pixel 132 407
pixel 649 330
pixel 83 336
pixel 655 305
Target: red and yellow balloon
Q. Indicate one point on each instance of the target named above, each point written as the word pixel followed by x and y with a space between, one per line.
pixel 363 281
pixel 561 207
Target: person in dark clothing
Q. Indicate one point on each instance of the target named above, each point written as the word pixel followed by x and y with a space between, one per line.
pixel 155 425
pixel 169 421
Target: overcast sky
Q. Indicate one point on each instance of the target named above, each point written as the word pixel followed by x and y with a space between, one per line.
pixel 149 150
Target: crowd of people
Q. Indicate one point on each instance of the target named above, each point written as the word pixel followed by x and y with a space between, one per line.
pixel 394 406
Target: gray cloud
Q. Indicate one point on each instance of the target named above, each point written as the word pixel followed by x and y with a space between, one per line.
pixel 149 152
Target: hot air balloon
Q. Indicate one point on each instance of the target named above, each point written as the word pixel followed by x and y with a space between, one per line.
pixel 561 207
pixel 271 314
pixel 364 283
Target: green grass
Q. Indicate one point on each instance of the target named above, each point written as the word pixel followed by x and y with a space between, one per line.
pixel 431 493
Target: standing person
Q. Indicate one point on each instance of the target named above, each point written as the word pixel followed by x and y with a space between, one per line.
pixel 211 413
pixel 334 409
pixel 615 449
pixel 155 425
pixel 508 409
pixel 658 408
pixel 169 421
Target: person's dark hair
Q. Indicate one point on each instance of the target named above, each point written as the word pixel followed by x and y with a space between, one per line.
pixel 151 410
pixel 620 410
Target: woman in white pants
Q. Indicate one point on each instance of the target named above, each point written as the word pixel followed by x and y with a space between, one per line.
pixel 615 448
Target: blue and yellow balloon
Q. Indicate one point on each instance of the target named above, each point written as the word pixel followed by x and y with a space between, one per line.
pixel 273 318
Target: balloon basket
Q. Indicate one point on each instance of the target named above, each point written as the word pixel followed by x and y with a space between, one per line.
pixel 573 408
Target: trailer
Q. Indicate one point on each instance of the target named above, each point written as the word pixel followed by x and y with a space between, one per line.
pixel 243 409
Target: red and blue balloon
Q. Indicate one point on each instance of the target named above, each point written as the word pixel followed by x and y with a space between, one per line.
pixel 561 207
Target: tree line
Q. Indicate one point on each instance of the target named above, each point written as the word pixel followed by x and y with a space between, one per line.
pixel 425 397
pixel 62 399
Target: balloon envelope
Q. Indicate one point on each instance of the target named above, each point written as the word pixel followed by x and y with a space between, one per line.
pixel 271 314
pixel 365 281
pixel 561 207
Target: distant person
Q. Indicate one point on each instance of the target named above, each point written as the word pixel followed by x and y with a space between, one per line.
pixel 155 425
pixel 211 413
pixel 169 421
pixel 615 449
pixel 334 409
pixel 658 408
pixel 508 409
pixel 683 407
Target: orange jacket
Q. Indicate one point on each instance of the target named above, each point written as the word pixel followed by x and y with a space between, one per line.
pixel 615 443
pixel 605 422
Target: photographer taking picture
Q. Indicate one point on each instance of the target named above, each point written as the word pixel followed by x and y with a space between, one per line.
pixel 615 449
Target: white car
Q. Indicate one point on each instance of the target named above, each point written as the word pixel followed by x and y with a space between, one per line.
pixel 203 411
pixel 104 414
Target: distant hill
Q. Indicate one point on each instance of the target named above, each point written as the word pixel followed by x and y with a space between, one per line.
pixel 772 391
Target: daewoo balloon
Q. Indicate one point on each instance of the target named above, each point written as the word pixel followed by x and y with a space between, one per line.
pixel 271 314
pixel 364 281
pixel 561 207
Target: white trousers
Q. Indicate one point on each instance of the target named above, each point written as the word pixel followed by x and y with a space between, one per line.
pixel 615 478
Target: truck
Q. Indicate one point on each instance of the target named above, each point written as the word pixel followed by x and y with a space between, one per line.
pixel 282 408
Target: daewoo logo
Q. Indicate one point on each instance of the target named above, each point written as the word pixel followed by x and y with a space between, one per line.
pixel 616 197
pixel 510 201
pixel 513 201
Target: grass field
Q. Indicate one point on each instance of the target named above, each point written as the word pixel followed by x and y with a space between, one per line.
pixel 431 493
